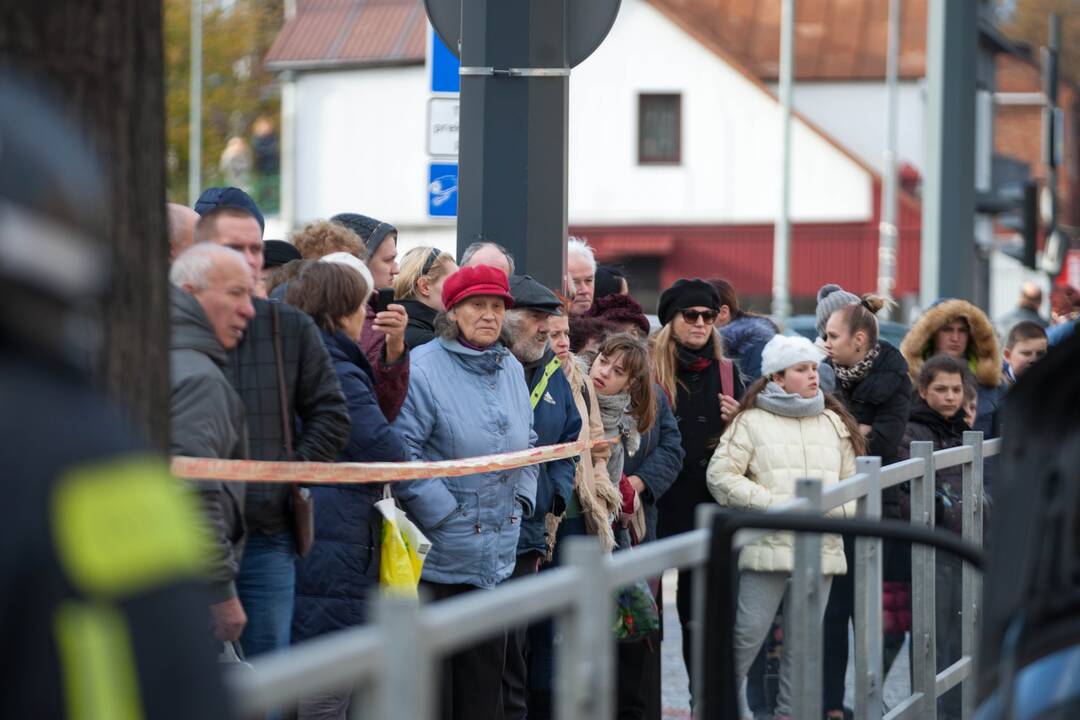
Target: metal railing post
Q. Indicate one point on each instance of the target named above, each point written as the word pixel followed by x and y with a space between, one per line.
pixel 585 661
pixel 923 586
pixel 804 614
pixel 406 680
pixel 869 660
pixel 700 574
pixel 972 579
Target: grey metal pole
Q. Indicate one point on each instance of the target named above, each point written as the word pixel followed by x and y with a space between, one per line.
pixel 288 185
pixel 781 296
pixel 888 232
pixel 804 614
pixel 585 661
pixel 971 590
pixel 195 109
pixel 923 587
pixel 947 257
pixel 869 655
pixel 406 681
pixel 515 91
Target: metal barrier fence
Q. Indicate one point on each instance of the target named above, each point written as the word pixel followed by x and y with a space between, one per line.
pixel 393 662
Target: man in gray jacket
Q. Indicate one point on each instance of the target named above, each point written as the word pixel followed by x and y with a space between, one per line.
pixel 312 397
pixel 210 310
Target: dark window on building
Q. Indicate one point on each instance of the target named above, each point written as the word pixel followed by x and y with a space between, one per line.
pixel 659 129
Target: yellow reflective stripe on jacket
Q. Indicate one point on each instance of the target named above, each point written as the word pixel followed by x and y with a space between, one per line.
pixel 124 525
pixel 98 664
pixel 538 391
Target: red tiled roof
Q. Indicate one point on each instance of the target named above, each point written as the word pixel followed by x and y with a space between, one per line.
pixel 351 32
pixel 834 39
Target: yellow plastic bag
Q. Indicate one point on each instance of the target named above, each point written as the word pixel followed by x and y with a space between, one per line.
pixel 404 548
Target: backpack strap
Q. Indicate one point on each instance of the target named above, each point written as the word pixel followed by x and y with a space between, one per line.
pixel 727 377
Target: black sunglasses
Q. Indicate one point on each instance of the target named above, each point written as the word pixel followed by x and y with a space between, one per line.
pixel 432 258
pixel 691 316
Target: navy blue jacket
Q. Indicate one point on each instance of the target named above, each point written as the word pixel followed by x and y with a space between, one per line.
pixel 335 582
pixel 555 420
pixel 658 460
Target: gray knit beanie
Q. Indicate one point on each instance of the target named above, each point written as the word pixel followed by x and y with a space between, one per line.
pixel 831 298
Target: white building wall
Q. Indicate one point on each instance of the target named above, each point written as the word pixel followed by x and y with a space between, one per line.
pixel 360 138
pixel 854 114
pixel 731 139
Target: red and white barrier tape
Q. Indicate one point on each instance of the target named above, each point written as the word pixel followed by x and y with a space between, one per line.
pixel 312 473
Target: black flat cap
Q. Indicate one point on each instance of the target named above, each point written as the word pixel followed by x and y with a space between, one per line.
pixel 531 295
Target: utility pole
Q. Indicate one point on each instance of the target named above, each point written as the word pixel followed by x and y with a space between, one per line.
pixel 888 232
pixel 1054 250
pixel 195 116
pixel 947 258
pixel 781 300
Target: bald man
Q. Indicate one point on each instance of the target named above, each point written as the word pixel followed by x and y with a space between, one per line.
pixel 182 221
pixel 1031 297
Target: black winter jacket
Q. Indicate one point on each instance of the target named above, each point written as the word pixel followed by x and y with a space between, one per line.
pixel 313 392
pixel 421 327
pixel 881 400
pixel 928 425
pixel 697 411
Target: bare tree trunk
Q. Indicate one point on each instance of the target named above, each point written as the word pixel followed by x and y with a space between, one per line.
pixel 104 57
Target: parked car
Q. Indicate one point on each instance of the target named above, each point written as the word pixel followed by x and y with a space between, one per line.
pixel 806 325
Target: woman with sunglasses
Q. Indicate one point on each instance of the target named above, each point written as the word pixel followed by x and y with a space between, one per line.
pixel 418 288
pixel 704 389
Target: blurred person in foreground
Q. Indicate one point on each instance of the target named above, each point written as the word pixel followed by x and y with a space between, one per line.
pixel 418 289
pixel 311 424
pixel 467 398
pixel 210 301
pixel 103 606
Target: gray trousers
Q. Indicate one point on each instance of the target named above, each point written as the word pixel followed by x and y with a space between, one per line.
pixel 326 705
pixel 760 595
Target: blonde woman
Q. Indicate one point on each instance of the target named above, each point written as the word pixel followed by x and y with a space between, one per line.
pixel 418 288
pixel 703 389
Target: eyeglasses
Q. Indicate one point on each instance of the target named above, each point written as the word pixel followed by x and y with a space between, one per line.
pixel 432 258
pixel 691 316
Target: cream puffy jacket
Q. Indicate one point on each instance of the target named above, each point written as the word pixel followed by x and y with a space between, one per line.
pixel 755 467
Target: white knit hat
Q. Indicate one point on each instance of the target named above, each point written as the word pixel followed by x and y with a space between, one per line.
pixel 344 258
pixel 783 351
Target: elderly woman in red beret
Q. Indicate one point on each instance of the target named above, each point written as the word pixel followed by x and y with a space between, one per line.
pixel 467 397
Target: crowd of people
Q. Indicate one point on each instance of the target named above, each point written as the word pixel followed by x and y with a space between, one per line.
pixel 324 348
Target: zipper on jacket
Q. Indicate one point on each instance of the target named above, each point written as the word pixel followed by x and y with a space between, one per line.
pixel 802 439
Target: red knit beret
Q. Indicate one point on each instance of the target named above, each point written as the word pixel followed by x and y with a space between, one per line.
pixel 476 280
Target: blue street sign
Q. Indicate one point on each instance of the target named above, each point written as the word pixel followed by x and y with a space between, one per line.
pixel 444 68
pixel 442 190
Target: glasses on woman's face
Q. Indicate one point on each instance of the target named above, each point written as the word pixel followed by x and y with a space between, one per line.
pixel 691 316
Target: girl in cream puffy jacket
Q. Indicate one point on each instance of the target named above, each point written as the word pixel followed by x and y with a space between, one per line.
pixel 785 429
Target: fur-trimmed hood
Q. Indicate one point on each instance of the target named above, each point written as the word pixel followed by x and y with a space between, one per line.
pixel 984 353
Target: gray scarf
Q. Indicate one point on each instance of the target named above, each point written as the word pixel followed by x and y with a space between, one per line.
pixel 775 400
pixel 617 421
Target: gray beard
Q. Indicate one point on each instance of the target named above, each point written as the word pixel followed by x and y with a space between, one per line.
pixel 527 350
